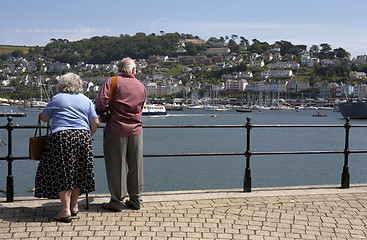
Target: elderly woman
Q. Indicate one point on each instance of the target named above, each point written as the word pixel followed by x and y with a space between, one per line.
pixel 66 167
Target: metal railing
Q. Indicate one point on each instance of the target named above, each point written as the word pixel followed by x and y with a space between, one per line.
pixel 345 179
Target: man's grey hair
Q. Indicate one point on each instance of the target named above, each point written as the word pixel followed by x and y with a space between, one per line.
pixel 70 83
pixel 126 65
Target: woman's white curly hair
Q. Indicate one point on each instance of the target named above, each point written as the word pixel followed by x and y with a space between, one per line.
pixel 70 83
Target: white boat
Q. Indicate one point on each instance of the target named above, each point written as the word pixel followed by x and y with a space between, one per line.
pixel 195 106
pixel 216 108
pixel 244 109
pixel 154 109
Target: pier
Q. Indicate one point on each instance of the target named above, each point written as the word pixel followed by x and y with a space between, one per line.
pixel 309 212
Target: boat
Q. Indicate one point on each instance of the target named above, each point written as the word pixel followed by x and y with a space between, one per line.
pixel 173 107
pixel 216 108
pixel 154 109
pixel 195 106
pixel 244 109
pixel 319 115
pixel 355 109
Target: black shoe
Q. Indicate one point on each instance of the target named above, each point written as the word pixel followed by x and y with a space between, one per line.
pixel 66 219
pixel 130 205
pixel 108 206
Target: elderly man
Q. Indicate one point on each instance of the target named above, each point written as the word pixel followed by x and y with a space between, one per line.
pixel 123 137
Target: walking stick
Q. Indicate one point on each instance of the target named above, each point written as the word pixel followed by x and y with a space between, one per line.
pixel 86 201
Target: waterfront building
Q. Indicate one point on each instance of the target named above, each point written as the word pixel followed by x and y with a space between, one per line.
pixel 344 91
pixel 256 86
pixel 151 88
pixel 236 85
pixel 360 91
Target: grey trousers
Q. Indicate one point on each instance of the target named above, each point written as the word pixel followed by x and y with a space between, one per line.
pixel 124 168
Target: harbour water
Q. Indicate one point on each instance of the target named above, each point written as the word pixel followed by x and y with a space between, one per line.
pixel 217 172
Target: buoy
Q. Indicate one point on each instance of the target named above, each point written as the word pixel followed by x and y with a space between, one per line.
pixel 214 116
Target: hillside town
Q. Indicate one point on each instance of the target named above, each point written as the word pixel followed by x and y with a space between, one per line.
pixel 275 74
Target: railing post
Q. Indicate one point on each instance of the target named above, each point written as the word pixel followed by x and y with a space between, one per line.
pixel 247 179
pixel 345 174
pixel 9 179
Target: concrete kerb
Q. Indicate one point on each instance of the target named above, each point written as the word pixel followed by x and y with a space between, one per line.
pixel 167 196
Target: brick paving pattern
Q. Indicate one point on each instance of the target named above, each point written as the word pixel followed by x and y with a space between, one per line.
pixel 309 216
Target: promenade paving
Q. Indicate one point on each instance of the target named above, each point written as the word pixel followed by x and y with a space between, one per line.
pixel 308 212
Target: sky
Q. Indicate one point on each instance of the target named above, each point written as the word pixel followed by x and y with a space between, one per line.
pixel 339 23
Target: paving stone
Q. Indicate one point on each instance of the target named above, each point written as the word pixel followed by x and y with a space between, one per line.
pixel 302 214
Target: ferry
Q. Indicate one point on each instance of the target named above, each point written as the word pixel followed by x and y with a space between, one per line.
pixel 353 109
pixel 154 109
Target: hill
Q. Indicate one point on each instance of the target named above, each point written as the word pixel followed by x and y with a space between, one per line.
pixel 7 49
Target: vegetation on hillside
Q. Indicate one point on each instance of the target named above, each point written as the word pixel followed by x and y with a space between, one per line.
pixel 105 49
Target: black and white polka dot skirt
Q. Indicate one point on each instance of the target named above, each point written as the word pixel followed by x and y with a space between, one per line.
pixel 66 163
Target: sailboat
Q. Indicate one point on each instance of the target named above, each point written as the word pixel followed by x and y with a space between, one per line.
pixel 214 106
pixel 34 104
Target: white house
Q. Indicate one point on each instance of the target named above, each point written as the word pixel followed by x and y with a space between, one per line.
pixel 283 65
pixel 257 63
pixel 308 61
pixel 276 73
pixel 357 75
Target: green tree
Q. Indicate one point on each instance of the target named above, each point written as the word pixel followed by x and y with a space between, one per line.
pixel 4 56
pixel 17 53
pixel 233 46
pixel 191 49
pixel 314 49
pixel 341 53
pixel 325 51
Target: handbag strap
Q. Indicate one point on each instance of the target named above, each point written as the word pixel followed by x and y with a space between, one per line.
pixel 112 90
pixel 38 128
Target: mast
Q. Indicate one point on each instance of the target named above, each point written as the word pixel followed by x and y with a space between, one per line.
pixel 31 91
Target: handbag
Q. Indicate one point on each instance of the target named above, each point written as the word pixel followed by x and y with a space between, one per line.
pixel 105 115
pixel 38 143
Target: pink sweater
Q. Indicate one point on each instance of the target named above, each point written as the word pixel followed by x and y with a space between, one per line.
pixel 127 105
